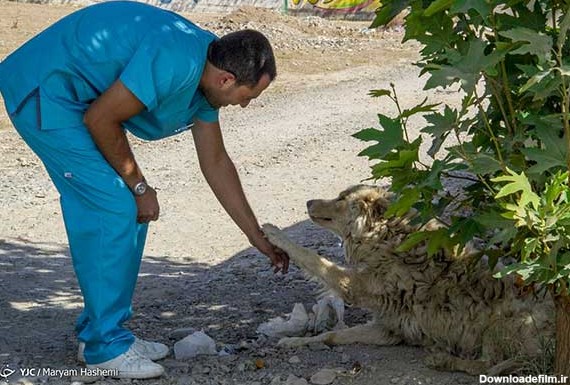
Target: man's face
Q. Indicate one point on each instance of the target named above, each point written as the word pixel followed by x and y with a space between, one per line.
pixel 229 93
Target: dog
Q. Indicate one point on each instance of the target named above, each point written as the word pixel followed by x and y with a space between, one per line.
pixel 469 320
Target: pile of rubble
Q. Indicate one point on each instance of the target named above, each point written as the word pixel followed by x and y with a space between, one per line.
pixel 295 33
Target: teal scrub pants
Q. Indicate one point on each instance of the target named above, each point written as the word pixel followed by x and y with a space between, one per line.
pixel 105 240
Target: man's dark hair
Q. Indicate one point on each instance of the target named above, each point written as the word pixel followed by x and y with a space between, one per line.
pixel 246 54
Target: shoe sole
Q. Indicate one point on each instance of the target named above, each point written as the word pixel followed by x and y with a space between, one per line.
pixel 81 357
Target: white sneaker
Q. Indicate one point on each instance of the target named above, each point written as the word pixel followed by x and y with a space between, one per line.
pixel 152 350
pixel 130 365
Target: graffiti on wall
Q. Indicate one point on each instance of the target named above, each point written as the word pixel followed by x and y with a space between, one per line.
pixel 348 6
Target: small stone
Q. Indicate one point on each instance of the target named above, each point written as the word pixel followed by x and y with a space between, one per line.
pixel 394 380
pixel 276 381
pixel 196 344
pixel 259 363
pixel 225 368
pixel 323 377
pixel 345 358
pixel 294 360
pixel 294 380
pixel 243 345
pixel 295 325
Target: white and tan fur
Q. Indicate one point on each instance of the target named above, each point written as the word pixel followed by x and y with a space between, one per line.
pixel 469 320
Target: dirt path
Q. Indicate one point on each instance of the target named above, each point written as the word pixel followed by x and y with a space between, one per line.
pixel 291 145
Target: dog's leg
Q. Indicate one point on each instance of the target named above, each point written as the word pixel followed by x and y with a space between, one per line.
pixel 369 333
pixel 332 275
pixel 505 367
pixel 447 362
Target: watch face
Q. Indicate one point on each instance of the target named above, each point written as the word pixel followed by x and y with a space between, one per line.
pixel 140 188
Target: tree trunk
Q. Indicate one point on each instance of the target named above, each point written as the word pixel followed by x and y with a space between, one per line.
pixel 562 360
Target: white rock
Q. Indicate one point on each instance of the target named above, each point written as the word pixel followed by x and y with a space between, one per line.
pixel 276 381
pixel 295 325
pixel 329 314
pixel 294 380
pixel 195 344
pixel 323 377
pixel 294 360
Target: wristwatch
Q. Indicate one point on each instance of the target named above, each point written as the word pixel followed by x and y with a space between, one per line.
pixel 140 188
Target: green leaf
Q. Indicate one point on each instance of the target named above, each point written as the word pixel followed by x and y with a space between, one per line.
pixel 440 126
pixel 517 183
pixel 438 6
pixel 515 267
pixel 464 230
pixel 402 160
pixel 563 261
pixel 387 11
pixel 432 177
pixel 412 240
pixel 422 107
pixel 405 202
pixel 389 138
pixel 537 78
pixel 368 134
pixel 468 69
pixel 482 7
pixel 536 43
pixel 529 247
pixel 552 151
pixel 484 164
pixel 493 220
pixel 379 93
pixel 564 25
pixel 439 239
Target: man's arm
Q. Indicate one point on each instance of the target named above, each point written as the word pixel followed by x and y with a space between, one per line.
pixel 221 175
pixel 103 120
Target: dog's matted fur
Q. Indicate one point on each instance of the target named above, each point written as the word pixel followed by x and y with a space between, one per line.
pixel 471 321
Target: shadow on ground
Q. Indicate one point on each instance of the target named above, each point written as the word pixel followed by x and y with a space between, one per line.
pixel 40 299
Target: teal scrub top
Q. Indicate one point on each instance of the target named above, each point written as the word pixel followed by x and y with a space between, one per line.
pixel 158 55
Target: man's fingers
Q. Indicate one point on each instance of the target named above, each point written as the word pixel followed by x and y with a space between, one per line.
pixel 284 258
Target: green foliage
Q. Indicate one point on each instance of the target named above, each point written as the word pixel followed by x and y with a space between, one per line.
pixel 507 143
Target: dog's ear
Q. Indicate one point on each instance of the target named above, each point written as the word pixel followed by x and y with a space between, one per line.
pixel 379 206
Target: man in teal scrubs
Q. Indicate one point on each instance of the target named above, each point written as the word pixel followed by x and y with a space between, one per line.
pixel 73 90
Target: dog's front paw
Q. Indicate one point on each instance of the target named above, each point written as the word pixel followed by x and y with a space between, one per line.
pixel 439 361
pixel 278 237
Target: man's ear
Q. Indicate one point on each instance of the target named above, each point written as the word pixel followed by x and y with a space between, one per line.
pixel 226 79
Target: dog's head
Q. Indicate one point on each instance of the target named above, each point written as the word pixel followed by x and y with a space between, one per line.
pixel 354 213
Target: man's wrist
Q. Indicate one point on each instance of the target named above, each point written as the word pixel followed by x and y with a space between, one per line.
pixel 256 236
pixel 140 187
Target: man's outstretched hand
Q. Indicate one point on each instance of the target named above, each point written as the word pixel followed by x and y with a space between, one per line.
pixel 278 257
